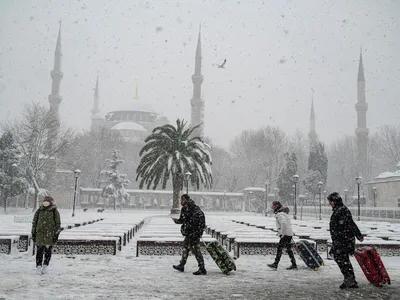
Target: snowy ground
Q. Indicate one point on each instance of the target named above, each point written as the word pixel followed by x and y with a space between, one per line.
pixel 127 277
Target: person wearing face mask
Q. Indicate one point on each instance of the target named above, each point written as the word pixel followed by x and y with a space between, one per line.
pixel 46 226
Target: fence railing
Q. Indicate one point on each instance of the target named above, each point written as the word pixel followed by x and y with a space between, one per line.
pixel 366 213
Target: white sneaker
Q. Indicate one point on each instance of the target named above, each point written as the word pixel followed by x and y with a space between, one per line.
pixel 39 270
pixel 44 269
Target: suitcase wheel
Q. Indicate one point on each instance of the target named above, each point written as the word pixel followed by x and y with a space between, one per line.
pixel 315 269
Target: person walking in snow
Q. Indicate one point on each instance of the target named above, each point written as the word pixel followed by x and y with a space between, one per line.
pixel 285 232
pixel 193 223
pixel 46 226
pixel 343 232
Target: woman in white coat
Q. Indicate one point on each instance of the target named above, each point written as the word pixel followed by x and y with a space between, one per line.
pixel 285 232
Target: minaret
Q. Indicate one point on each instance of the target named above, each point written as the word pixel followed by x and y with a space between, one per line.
pixel 97 119
pixel 137 95
pixel 361 130
pixel 197 113
pixel 312 135
pixel 96 108
pixel 56 76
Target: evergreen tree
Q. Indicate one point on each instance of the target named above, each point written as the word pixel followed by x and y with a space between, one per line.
pixel 285 178
pixel 318 160
pixel 115 189
pixel 12 180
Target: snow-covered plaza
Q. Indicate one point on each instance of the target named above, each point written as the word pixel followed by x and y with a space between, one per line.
pixel 126 276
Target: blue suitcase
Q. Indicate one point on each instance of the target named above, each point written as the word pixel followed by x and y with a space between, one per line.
pixel 308 254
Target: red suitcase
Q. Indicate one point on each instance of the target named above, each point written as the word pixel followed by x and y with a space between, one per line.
pixel 372 265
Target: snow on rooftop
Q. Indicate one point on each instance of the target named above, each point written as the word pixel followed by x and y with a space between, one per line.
pixel 128 126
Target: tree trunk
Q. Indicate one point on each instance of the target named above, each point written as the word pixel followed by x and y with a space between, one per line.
pixel 176 188
pixel 26 200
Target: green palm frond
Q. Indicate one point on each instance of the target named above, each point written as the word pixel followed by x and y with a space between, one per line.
pixel 170 152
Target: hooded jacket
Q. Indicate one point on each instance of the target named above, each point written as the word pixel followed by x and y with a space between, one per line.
pixel 343 229
pixel 193 220
pixel 283 223
pixel 46 225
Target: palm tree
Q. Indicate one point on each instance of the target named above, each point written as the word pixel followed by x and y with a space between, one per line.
pixel 171 152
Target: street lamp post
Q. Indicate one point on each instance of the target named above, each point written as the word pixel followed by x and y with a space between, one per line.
pixel 77 172
pixel 295 180
pixel 320 199
pixel 374 190
pixel 187 177
pixel 346 191
pixel 358 181
pixel 266 197
pixel 224 200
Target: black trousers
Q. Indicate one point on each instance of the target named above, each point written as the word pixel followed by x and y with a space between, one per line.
pixel 46 251
pixel 285 242
pixel 345 266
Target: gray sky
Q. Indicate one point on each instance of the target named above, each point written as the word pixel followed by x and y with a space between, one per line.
pixel 276 52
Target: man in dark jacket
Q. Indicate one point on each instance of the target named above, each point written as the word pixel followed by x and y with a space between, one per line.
pixel 193 224
pixel 343 232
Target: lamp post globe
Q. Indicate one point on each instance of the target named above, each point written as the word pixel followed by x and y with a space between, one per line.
pixel 187 178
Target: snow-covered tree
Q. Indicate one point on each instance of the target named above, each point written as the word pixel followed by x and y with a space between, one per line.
pixel 116 182
pixel 310 182
pixel 31 133
pixel 318 161
pixel 171 152
pixel 12 179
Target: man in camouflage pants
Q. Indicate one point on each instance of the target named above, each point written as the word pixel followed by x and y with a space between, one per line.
pixel 193 223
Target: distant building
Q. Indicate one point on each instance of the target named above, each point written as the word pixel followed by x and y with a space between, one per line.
pixel 384 190
pixel 133 119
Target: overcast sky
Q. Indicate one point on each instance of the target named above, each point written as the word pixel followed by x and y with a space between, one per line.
pixel 276 52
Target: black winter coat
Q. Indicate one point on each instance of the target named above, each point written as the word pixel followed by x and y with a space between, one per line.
pixel 193 221
pixel 343 231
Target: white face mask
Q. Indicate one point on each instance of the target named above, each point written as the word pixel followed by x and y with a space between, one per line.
pixel 46 203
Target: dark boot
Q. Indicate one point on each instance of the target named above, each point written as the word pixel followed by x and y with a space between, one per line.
pixel 200 271
pixel 179 267
pixel 292 267
pixel 349 283
pixel 273 266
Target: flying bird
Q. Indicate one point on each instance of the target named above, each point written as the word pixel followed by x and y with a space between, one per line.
pixel 221 66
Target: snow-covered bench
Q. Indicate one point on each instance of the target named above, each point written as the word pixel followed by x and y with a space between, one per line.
pixel 80 245
pixel 24 237
pixel 9 243
pixel 89 234
pixel 164 245
pixel 257 246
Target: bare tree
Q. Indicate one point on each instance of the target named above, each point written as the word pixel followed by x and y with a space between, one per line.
pixel 260 153
pixel 389 141
pixel 342 168
pixel 89 152
pixel 32 133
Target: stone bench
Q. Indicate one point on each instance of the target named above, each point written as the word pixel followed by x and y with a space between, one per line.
pixel 158 246
pixel 89 234
pixel 24 237
pixel 128 230
pixel 93 245
pixel 257 246
pixel 9 243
